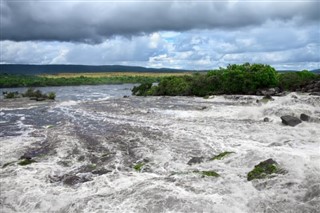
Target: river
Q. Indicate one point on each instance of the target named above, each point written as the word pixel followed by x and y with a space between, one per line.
pixel 87 143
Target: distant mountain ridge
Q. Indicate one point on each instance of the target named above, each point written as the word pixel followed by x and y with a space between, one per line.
pixel 27 69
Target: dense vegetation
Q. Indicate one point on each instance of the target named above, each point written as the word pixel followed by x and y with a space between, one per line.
pixel 32 94
pixel 235 79
pixel 39 81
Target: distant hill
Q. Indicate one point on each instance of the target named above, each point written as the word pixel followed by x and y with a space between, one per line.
pixel 316 71
pixel 53 69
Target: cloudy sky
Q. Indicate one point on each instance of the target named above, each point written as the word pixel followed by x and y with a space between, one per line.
pixel 165 33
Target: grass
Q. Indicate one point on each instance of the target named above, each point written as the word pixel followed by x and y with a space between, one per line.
pixel 74 79
pixel 112 74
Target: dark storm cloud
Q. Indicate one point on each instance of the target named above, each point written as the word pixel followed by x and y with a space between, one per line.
pixel 93 22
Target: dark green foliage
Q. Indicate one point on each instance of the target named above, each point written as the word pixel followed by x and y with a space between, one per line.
pixel 138 167
pixel 26 162
pixel 142 89
pixel 7 81
pixel 51 95
pixel 263 169
pixel 10 95
pixel 295 80
pixel 235 79
pixel 207 173
pixel 174 85
pixel 38 95
pixel 221 155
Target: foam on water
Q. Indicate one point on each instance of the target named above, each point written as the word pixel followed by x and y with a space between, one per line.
pixel 165 133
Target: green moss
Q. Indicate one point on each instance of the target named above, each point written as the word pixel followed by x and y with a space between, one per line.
pixel 221 155
pixel 138 167
pixel 26 162
pixel 263 169
pixel 209 173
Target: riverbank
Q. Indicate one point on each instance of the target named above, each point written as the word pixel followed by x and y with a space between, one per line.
pixel 74 79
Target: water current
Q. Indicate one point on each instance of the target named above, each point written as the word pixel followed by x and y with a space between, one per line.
pixel 88 144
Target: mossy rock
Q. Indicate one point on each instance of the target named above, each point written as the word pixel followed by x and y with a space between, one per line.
pixel 138 167
pixel 263 169
pixel 221 155
pixel 209 173
pixel 8 164
pixel 25 162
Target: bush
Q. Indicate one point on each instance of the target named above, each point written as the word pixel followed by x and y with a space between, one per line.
pixel 295 80
pixel 10 95
pixel 235 79
pixel 51 95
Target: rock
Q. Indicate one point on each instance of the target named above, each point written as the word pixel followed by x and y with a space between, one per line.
pixel 25 157
pixel 40 99
pixel 290 120
pixel 195 160
pixel 100 171
pixel 221 155
pixel 73 180
pixel 304 117
pixel 263 169
pixel 266 119
pixel 315 93
pixel 268 97
pixel 125 96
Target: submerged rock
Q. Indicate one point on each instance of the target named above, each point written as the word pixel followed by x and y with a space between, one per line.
pixel 210 173
pixel 305 117
pixel 315 93
pixel 263 169
pixel 195 160
pixel 25 162
pixel 290 120
pixel 221 155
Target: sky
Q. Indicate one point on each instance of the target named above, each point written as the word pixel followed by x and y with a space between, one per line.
pixel 183 34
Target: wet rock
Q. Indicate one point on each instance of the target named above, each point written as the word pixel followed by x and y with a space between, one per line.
pixel 73 180
pixel 69 179
pixel 269 92
pixel 25 162
pixel 195 160
pixel 290 120
pixel 139 166
pixel 263 169
pixel 25 157
pixel 221 155
pixel 304 117
pixel 125 96
pixel 100 171
pixel 266 119
pixel 315 93
pixel 268 97
pixel 210 173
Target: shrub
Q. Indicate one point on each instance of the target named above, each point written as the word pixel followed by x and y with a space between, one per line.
pixel 10 95
pixel 51 95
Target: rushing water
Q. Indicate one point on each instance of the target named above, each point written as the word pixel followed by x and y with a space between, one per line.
pixel 87 142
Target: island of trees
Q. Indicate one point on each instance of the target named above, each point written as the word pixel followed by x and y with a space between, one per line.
pixel 234 79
